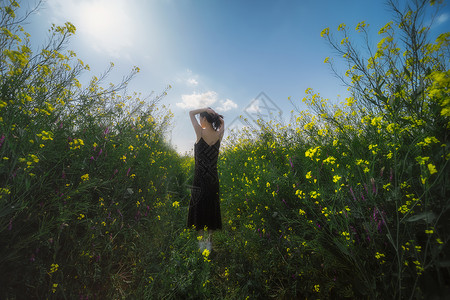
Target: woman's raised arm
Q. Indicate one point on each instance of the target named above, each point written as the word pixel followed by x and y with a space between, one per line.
pixel 222 128
pixel 194 121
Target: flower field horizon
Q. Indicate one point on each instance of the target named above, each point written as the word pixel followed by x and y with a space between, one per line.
pixel 349 200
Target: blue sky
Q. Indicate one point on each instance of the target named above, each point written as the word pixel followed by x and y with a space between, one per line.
pixel 214 53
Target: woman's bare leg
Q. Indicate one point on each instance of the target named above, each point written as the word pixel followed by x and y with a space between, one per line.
pixel 208 240
pixel 201 239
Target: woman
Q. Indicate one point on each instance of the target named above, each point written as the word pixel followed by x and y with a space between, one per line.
pixel 204 207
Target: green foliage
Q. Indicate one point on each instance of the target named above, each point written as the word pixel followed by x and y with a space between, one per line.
pixel 351 200
pixel 81 172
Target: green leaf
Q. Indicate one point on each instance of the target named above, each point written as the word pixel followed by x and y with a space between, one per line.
pixel 408 74
pixel 444 264
pixel 428 216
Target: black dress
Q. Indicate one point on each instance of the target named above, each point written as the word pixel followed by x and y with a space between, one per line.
pixel 204 207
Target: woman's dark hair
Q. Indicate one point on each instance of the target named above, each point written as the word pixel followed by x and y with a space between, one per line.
pixel 214 119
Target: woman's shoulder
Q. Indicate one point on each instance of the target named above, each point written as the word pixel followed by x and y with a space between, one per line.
pixel 210 136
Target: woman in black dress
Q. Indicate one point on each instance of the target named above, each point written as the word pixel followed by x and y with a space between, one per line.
pixel 204 207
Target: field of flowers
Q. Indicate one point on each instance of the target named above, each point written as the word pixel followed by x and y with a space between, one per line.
pixel 349 200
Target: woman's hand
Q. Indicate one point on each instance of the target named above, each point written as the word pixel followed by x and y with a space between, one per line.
pixel 210 111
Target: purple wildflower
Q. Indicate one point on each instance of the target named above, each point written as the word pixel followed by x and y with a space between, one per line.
pixel 375 212
pixel 99 153
pixel 374 187
pixel 353 195
pixel 2 139
pixel 380 223
pixel 138 215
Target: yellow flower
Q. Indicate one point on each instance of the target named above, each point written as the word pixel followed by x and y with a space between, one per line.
pixel 314 194
pixel 385 28
pixel 403 209
pixel 308 175
pixel 360 25
pixel 317 288
pixel 346 235
pixel 85 177
pixel 336 178
pixel 205 254
pixel 428 141
pixel 53 268
pixel 341 27
pixel 344 40
pixel 300 194
pixel 422 160
pixel 329 160
pixel 376 121
pixel 176 204
pixel 432 169
pixel 326 32
pixel 423 179
pixel 301 212
pixel 313 151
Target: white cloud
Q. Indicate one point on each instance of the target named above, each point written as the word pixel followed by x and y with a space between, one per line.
pixel 198 100
pixel 209 98
pixel 254 107
pixel 192 81
pixel 188 78
pixel 107 26
pixel 442 19
pixel 226 105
